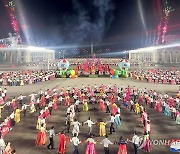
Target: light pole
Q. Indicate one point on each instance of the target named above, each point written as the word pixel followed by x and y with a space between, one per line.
pixel 48 63
pixel 59 54
pixel 63 53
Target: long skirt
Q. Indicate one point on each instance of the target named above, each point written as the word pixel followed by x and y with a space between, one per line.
pixel 90 148
pixel 167 112
pixel 147 147
pixel 41 139
pixel 102 106
pixel 117 121
pixel 85 107
pixel 122 149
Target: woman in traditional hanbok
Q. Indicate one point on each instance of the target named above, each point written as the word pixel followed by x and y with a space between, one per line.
pixel 171 102
pixel 85 105
pixel 30 81
pixel 13 103
pixel 127 95
pixel 47 113
pixel 144 117
pixel 42 101
pixel 146 144
pixel 67 100
pixel 141 98
pixel 62 143
pixel 102 128
pixel 122 146
pixel 41 137
pixel 112 98
pixel 32 107
pixel 17 115
pixel 117 120
pixel 102 106
pixel 82 97
pixel 158 106
pixel 101 93
pixel 148 100
pixel 167 111
pixel 54 106
pixel 90 149
pixel 114 109
pixel 136 108
pixel 39 122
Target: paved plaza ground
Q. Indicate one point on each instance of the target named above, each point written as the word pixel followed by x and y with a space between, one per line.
pixel 23 135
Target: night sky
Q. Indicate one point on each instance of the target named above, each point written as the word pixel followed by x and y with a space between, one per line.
pixel 116 23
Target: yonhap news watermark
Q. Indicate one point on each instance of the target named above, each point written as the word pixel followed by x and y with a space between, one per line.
pixel 174 144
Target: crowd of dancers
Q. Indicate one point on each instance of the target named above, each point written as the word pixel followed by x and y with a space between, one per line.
pixel 157 76
pixel 21 78
pixel 110 99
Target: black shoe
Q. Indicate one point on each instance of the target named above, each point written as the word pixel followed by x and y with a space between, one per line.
pixel 48 147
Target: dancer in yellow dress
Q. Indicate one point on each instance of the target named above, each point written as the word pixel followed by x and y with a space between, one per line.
pixel 102 128
pixel 85 105
pixel 32 107
pixel 137 108
pixel 17 117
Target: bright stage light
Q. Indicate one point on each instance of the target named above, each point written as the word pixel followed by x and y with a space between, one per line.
pixel 147 49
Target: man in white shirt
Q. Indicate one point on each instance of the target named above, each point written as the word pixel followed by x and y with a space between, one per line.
pixel 106 143
pixel 8 105
pixel 75 142
pixel 24 108
pixel 173 113
pixel 89 123
pixel 132 105
pixel 112 119
pixel 50 107
pixel 135 141
pixel 33 95
pixel 76 127
pixel 12 119
pixel 51 140
pixel 60 99
pixel 20 98
pixel 75 97
pixel 40 93
pixel 166 97
pixel 107 106
pixel 77 106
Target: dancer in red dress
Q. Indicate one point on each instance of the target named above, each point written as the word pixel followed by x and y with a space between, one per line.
pixel 90 149
pixel 102 107
pixel 41 137
pixel 42 101
pixel 62 143
pixel 122 146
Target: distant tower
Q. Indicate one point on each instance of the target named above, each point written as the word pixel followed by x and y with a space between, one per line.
pixel 91 47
